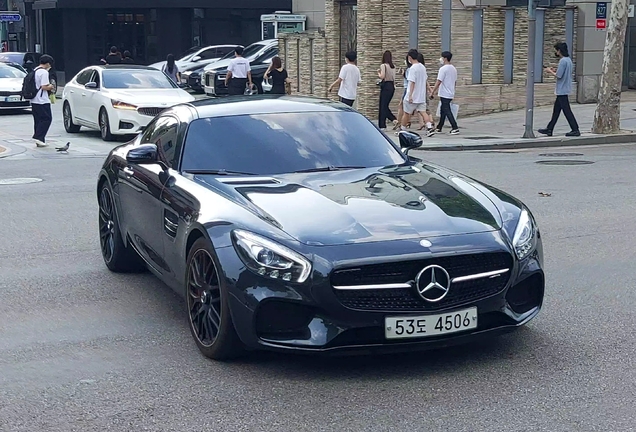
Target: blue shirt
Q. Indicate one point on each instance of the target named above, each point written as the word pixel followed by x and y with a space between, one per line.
pixel 564 77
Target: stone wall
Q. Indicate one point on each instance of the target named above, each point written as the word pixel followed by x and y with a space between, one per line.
pixel 383 25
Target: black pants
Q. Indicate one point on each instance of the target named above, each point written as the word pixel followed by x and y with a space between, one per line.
pixel 562 103
pixel 386 95
pixel 237 86
pixel 347 101
pixel 42 119
pixel 444 112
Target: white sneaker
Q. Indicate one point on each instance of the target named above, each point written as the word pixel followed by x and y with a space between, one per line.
pixel 39 143
pixel 454 132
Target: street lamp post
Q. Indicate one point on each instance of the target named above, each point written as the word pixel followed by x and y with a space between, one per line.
pixel 532 39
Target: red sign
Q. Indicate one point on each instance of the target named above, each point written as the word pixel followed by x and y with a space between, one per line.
pixel 601 24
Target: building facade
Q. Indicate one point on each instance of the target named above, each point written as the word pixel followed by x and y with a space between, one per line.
pixel 78 33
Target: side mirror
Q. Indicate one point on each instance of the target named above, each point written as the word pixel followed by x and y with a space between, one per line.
pixel 143 154
pixel 409 141
pixel 196 58
pixel 91 86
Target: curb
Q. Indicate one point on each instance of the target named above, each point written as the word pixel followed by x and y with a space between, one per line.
pixel 11 150
pixel 561 142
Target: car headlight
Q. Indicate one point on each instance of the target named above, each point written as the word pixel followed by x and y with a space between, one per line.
pixel 122 105
pixel 270 259
pixel 524 239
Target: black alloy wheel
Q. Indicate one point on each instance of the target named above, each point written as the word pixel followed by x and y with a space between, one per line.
pixel 208 312
pixel 69 126
pixel 117 257
pixel 104 125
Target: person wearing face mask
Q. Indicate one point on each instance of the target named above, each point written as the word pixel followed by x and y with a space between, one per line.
pixel 446 79
pixel 563 75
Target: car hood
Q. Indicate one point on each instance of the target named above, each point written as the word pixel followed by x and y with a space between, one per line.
pixel 220 64
pixel 11 84
pixel 154 97
pixel 357 206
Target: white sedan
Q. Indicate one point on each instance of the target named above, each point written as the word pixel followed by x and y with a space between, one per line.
pixel 11 77
pixel 118 99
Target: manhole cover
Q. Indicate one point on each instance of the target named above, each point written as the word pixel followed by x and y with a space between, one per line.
pixel 17 181
pixel 564 162
pixel 560 154
pixel 480 138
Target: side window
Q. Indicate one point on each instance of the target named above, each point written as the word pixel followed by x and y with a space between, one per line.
pixel 95 78
pixel 269 54
pixel 208 54
pixel 84 77
pixel 225 50
pixel 163 133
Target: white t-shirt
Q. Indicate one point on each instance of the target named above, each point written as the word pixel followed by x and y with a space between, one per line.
pixel 239 67
pixel 350 76
pixel 41 78
pixel 417 75
pixel 448 76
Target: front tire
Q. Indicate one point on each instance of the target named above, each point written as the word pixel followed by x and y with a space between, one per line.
pixel 117 257
pixel 208 309
pixel 67 114
pixel 104 125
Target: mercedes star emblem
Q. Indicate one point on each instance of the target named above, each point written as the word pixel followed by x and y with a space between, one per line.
pixel 433 283
pixel 425 243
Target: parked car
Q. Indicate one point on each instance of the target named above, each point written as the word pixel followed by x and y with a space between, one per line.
pixel 29 61
pixel 11 78
pixel 259 66
pixel 197 57
pixel 293 224
pixel 257 52
pixel 118 99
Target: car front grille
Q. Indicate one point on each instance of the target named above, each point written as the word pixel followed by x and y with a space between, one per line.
pixel 407 299
pixel 150 111
pixel 11 93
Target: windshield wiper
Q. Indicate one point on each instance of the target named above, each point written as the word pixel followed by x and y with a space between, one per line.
pixel 218 172
pixel 328 168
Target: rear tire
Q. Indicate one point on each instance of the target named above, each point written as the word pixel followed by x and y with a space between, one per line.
pixel 209 315
pixel 118 257
pixel 104 125
pixel 67 114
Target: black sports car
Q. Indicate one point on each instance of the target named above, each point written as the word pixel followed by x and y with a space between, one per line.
pixel 293 223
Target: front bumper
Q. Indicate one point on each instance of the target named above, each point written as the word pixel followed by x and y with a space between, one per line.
pixel 214 84
pixel 317 319
pixel 125 122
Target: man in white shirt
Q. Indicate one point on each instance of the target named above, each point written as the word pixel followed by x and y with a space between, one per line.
pixel 446 79
pixel 239 73
pixel 416 93
pixel 349 79
pixel 41 103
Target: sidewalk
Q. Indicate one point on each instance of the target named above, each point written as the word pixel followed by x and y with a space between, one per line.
pixel 504 130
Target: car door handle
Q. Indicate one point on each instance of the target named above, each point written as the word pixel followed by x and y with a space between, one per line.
pixel 83 94
pixel 128 171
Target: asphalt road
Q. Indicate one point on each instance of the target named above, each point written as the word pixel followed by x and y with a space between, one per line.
pixel 82 349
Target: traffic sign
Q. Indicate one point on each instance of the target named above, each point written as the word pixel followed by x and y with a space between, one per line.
pixel 10 17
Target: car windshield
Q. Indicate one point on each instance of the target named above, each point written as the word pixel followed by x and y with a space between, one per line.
pixel 13 58
pixel 268 144
pixel 228 55
pixel 251 50
pixel 7 71
pixel 136 79
pixel 188 53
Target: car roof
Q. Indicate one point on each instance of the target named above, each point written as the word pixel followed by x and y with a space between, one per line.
pixel 125 66
pixel 264 104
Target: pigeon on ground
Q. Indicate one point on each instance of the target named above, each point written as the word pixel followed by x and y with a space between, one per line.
pixel 63 149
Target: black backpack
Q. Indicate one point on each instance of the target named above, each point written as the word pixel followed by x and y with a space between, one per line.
pixel 29 89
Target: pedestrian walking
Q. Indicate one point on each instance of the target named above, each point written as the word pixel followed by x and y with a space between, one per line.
pixel 171 69
pixel 386 74
pixel 279 76
pixel 562 91
pixel 112 57
pixel 348 79
pixel 239 74
pixel 445 88
pixel 36 88
pixel 405 84
pixel 417 92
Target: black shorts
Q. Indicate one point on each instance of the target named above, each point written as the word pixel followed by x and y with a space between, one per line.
pixel 347 101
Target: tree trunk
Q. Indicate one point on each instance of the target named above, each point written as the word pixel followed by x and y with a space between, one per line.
pixel 607 118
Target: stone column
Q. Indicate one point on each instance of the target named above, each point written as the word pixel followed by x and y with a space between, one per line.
pixel 332 40
pixel 370 22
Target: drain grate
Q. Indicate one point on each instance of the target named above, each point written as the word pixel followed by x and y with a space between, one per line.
pixel 481 138
pixel 564 162
pixel 560 154
pixel 17 181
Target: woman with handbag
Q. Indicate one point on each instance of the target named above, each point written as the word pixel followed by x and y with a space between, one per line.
pixel 279 76
pixel 386 75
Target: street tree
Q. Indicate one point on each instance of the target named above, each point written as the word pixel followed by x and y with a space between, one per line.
pixel 608 108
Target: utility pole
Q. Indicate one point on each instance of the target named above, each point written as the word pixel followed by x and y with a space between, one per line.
pixel 607 117
pixel 532 41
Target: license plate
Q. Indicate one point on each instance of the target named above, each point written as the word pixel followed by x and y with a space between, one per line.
pixel 184 80
pixel 430 325
pixel 13 99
